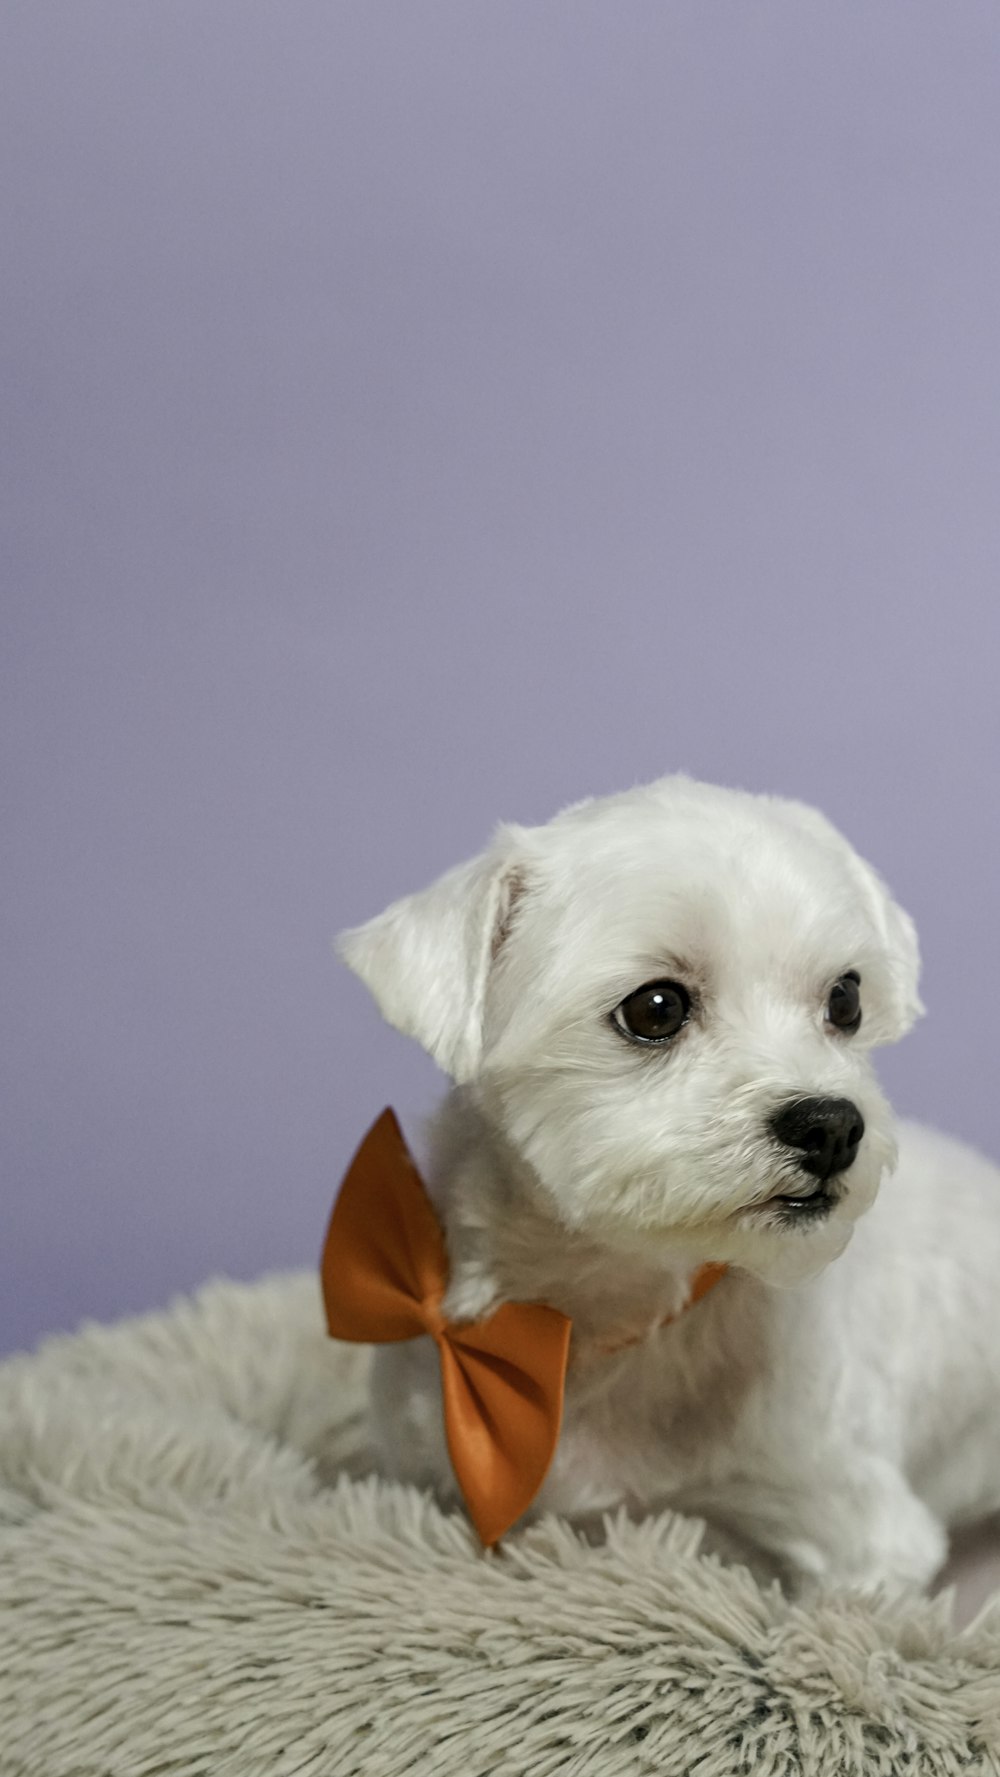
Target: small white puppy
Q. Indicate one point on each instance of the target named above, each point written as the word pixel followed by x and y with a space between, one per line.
pixel 658 1011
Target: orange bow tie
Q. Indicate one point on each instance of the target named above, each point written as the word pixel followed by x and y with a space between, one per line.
pixel 385 1271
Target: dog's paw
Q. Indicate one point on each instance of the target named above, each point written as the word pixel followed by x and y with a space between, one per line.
pixel 889 1544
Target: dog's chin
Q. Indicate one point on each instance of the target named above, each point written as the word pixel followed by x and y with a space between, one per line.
pixel 786 1256
pixel 783 1240
pixel 789 1239
pixel 778 1248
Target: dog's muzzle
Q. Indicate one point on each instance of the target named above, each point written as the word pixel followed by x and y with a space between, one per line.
pixel 825 1133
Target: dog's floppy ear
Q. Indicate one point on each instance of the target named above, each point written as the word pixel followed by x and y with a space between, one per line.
pixel 895 927
pixel 899 935
pixel 427 957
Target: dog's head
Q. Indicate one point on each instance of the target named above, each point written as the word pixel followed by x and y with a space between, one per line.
pixel 665 1002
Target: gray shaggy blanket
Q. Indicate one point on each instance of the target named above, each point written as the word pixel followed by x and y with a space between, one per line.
pixel 189 1588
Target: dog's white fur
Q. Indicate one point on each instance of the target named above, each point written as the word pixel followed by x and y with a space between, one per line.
pixel 832 1417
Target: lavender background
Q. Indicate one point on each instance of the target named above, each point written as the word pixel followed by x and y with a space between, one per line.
pixel 417 414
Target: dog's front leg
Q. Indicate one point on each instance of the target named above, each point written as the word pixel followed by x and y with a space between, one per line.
pixel 858 1524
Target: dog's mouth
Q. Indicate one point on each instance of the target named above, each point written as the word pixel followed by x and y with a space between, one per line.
pixel 804 1206
pixel 810 1203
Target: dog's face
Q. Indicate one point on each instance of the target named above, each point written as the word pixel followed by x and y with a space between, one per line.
pixel 665 1001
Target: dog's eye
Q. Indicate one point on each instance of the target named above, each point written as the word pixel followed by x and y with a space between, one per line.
pixel 654 1013
pixel 843 1008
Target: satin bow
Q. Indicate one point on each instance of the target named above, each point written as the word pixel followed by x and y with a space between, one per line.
pixel 384 1274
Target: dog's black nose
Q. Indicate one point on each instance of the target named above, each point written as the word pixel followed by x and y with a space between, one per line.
pixel 827 1131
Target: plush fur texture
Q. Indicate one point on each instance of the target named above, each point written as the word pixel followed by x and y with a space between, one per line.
pixel 832 1406
pixel 189 1589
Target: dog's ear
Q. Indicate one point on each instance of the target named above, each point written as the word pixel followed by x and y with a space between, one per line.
pixel 894 926
pixel 427 957
pixel 899 936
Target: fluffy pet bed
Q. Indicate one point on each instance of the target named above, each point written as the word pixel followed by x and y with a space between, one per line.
pixel 188 1587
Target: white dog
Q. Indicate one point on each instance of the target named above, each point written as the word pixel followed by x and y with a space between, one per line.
pixel 658 1011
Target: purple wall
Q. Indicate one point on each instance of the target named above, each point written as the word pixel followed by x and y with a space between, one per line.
pixel 420 414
